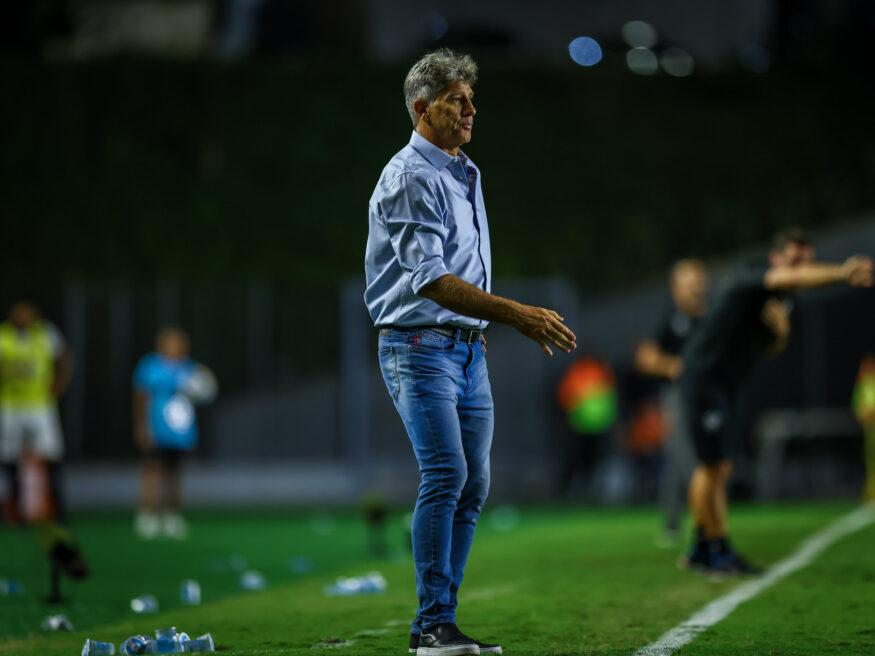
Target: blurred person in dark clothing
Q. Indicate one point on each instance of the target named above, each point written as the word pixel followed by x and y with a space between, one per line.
pixel 660 357
pixel 749 320
pixel 167 383
pixel 35 369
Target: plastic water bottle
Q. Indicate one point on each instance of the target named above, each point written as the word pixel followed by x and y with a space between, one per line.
pixel 95 648
pixel 167 641
pixel 10 587
pixel 144 604
pixel 204 643
pixel 136 645
pixel 252 580
pixel 300 565
pixel 370 583
pixel 190 592
pixel 57 623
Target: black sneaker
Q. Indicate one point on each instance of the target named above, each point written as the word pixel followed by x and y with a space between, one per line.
pixel 445 640
pixel 484 647
pixel 740 566
pixel 698 559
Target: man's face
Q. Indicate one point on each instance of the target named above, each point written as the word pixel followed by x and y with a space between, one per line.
pixel 689 289
pixel 173 345
pixel 451 115
pixel 793 254
pixel 23 314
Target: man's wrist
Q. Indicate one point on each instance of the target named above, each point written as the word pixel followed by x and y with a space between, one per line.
pixel 510 312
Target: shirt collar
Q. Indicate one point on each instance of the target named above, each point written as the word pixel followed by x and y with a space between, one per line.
pixel 434 155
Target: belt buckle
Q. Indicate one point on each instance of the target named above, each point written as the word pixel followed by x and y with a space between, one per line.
pixel 470 336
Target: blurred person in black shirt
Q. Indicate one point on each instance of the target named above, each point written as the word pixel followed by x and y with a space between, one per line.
pixel 749 320
pixel 660 358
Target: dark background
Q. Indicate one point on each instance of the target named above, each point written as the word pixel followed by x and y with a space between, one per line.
pixel 204 164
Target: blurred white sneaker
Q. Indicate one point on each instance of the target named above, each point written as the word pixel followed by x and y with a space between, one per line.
pixel 175 526
pixel 147 525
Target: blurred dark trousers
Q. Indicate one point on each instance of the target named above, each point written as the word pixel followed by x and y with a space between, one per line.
pixel 441 389
pixel 678 462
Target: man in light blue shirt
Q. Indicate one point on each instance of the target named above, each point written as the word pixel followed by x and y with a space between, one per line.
pixel 429 276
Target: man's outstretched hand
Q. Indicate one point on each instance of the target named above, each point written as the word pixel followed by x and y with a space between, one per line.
pixel 545 327
pixel 857 271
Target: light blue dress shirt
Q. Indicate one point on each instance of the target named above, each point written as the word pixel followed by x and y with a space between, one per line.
pixel 426 219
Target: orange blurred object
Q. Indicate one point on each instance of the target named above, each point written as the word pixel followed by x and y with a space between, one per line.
pixel 584 378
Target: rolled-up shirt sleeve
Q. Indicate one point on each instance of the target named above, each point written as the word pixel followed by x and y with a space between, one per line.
pixel 415 219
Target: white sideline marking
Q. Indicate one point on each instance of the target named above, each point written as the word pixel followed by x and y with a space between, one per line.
pixel 715 611
pixel 489 593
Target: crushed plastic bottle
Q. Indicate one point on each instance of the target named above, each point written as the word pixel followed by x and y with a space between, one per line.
pixel 10 587
pixel 201 644
pixel 57 623
pixel 168 641
pixel 252 580
pixel 144 604
pixel 190 592
pixel 96 648
pixel 300 565
pixel 136 645
pixel 370 583
pixel 237 562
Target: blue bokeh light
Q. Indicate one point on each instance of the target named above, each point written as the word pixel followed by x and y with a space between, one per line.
pixel 585 51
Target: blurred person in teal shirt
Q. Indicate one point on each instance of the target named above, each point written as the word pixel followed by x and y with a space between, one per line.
pixel 167 384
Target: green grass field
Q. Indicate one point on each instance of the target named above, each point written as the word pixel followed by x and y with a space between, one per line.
pixel 560 581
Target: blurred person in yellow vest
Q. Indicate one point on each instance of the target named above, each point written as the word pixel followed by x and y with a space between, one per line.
pixel 35 368
pixel 864 408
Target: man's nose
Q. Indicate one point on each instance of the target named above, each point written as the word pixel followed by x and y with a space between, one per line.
pixel 469 108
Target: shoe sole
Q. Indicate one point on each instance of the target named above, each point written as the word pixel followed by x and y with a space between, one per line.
pixel 488 650
pixel 455 650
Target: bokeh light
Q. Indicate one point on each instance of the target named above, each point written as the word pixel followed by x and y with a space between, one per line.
pixel 677 62
pixel 639 34
pixel 755 58
pixel 642 61
pixel 437 26
pixel 585 51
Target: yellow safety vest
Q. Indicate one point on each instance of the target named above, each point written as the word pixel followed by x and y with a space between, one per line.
pixel 27 367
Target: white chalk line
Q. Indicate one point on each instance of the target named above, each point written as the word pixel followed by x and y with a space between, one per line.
pixel 486 594
pixel 718 609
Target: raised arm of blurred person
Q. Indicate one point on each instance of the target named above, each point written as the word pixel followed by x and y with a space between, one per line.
pixel 539 324
pixel 856 271
pixel 651 360
pixel 776 318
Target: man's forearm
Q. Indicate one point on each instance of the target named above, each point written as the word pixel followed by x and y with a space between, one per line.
pixel 653 361
pixel 539 324
pixel 456 295
pixel 805 276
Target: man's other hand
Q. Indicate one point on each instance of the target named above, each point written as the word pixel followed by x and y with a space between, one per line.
pixel 545 327
pixel 858 271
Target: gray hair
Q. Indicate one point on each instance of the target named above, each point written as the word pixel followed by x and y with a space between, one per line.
pixel 434 72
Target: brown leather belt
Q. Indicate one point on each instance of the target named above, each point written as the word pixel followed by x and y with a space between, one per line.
pixel 467 335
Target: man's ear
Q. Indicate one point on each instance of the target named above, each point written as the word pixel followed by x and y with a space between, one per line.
pixel 421 108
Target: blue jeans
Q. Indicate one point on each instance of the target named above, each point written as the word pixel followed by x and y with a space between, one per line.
pixel 440 387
